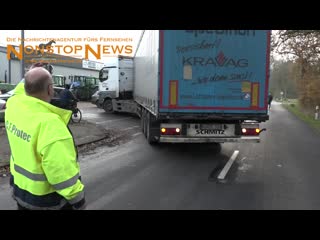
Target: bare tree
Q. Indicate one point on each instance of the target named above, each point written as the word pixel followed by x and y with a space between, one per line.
pixel 303 48
pixel 304 44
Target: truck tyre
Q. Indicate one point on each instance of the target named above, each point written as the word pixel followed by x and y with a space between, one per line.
pixel 142 121
pixel 145 122
pixel 149 133
pixel 107 105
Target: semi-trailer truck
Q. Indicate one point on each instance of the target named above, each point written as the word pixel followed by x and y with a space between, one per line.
pixel 193 85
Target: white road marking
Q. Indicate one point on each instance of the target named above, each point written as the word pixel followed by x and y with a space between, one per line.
pixel 128 128
pixel 227 167
pixel 112 120
pixel 136 134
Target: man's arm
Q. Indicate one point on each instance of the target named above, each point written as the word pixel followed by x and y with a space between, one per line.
pixel 63 172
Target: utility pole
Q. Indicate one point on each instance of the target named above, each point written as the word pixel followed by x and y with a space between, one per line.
pixel 22 60
pixel 9 71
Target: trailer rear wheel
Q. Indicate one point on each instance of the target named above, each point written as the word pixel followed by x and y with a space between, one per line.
pixel 150 133
pixel 145 123
pixel 142 121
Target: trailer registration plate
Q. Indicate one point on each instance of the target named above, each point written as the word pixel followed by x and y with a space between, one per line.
pixel 211 130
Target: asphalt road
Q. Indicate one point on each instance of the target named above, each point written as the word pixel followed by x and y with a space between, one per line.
pixel 125 123
pixel 280 172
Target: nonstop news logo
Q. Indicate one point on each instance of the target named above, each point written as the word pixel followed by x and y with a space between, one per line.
pixel 82 51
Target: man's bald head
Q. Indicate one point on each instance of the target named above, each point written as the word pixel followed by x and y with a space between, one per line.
pixel 37 81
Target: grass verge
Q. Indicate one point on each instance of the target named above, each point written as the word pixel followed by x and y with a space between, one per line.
pixel 295 109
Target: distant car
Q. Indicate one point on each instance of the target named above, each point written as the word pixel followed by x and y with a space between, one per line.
pixel 2 109
pixel 2 104
pixel 55 100
pixel 6 95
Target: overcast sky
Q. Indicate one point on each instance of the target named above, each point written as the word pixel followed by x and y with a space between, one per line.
pixel 89 35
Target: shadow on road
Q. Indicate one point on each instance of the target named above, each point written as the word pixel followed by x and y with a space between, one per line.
pixel 206 156
pixel 198 148
pixel 122 114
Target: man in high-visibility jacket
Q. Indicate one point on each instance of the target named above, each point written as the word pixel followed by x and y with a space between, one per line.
pixel 45 173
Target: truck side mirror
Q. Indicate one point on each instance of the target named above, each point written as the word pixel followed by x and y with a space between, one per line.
pixel 103 74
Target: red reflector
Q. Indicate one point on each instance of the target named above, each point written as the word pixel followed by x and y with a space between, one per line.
pixel 170 131
pixel 250 131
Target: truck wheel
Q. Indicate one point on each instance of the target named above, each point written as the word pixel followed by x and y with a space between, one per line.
pixel 107 105
pixel 149 133
pixel 145 123
pixel 142 121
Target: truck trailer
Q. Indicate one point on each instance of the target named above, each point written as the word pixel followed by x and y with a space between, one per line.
pixel 193 85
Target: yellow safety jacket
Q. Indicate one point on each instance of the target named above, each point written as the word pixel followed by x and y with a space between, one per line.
pixel 19 89
pixel 43 160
